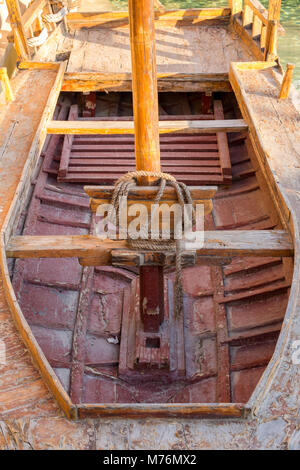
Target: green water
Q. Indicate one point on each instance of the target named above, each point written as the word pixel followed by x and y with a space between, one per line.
pixel 288 45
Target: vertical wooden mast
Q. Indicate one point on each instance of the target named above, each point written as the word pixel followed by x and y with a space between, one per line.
pixel 147 151
pixel 144 86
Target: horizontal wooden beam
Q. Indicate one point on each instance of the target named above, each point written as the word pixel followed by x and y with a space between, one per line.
pixel 100 195
pixel 77 20
pixel 166 410
pixel 217 243
pixel 149 192
pixel 127 127
pixel 175 82
pixel 243 243
pixel 31 64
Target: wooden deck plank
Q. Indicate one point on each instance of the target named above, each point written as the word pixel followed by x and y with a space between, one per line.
pixel 98 81
pixel 178 48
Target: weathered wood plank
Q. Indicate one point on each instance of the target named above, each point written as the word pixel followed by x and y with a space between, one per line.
pixel 221 243
pixel 113 127
pixel 149 192
pixel 30 64
pixel 18 29
pixel 211 410
pixel 96 81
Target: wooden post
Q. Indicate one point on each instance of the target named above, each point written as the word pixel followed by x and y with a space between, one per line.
pixel 274 10
pixel 147 148
pixel 18 29
pixel 9 96
pixel 286 82
pixel 236 6
pixel 271 44
pixel 144 86
pixel 272 35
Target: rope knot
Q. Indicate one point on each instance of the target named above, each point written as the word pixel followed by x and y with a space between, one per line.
pixel 122 188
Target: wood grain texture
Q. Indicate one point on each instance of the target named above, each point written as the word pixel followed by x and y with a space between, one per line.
pixel 144 87
pixel 286 82
pixel 179 49
pixel 165 127
pixel 221 243
pixel 97 81
pixel 18 29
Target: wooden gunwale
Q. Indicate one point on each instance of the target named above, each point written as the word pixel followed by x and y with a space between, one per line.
pixel 20 198
pixel 284 189
pixel 258 146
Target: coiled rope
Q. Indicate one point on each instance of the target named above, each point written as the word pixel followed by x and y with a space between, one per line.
pixel 38 40
pixel 55 17
pixel 121 190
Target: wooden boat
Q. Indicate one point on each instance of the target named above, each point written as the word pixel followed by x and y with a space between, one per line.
pixel 228 128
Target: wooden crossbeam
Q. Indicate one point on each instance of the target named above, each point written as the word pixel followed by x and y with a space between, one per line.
pixel 127 127
pixel 96 81
pixel 149 192
pixel 146 194
pixel 216 243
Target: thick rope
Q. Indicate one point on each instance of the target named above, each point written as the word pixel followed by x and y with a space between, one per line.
pixel 122 189
pixel 38 40
pixel 55 17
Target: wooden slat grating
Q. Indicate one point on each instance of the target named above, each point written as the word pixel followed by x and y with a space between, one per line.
pixel 102 159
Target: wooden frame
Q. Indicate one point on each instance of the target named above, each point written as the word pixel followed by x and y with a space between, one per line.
pixel 94 81
pixel 254 25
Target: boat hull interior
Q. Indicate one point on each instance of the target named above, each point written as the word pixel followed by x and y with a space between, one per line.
pixel 86 319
